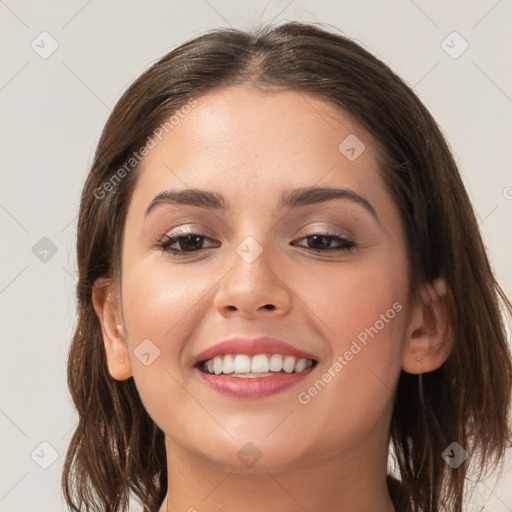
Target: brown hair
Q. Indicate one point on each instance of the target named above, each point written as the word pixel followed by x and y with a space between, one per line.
pixel 116 448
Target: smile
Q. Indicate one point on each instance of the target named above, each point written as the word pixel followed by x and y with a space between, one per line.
pixel 251 377
pixel 259 365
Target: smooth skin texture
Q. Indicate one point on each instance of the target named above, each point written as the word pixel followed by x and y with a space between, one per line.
pixel 330 454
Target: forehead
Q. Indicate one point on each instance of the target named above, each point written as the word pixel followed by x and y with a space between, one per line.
pixel 242 134
pixel 251 112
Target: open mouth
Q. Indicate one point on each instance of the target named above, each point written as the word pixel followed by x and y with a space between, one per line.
pixel 256 366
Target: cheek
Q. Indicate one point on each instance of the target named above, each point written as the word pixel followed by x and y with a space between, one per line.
pixel 354 300
pixel 163 305
pixel 160 300
pixel 159 304
pixel 363 308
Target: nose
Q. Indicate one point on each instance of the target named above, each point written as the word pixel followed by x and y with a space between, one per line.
pixel 253 288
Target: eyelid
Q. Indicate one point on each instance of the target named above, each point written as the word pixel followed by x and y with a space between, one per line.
pixel 181 231
pixel 345 243
pixel 191 229
pixel 332 228
pixel 188 229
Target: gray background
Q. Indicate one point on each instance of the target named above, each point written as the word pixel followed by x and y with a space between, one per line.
pixel 54 108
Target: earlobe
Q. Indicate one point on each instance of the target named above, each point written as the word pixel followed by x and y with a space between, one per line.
pixel 429 336
pixel 107 306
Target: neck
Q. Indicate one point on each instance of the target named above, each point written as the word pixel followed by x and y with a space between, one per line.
pixel 347 481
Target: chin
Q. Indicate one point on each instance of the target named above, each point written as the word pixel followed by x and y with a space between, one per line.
pixel 253 455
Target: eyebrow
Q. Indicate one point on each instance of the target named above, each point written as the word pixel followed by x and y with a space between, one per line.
pixel 289 198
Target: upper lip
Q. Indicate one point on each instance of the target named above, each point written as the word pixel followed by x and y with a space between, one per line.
pixel 260 345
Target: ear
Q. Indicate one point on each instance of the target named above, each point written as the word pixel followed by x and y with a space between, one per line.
pixel 429 335
pixel 106 302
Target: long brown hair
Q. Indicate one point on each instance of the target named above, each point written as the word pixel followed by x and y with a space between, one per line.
pixel 117 449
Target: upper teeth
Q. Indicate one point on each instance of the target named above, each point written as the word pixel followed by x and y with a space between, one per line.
pixel 260 363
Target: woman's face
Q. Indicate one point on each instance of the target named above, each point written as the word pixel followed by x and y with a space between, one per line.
pixel 256 269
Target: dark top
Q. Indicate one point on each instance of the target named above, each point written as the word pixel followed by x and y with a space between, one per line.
pixel 398 496
pixel 396 492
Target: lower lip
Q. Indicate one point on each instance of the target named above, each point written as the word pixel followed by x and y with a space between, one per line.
pixel 257 387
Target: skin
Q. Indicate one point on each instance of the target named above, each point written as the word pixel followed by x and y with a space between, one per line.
pixel 331 453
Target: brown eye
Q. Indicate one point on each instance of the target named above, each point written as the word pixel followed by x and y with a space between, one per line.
pixel 327 242
pixel 183 243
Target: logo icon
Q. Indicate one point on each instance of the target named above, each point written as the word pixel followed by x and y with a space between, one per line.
pixel 351 147
pixel 44 250
pixel 454 455
pixel 454 45
pixel 249 249
pixel 249 455
pixel 146 352
pixel 44 45
pixel 44 455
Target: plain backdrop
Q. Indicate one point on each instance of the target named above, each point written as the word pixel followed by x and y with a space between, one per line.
pixel 64 64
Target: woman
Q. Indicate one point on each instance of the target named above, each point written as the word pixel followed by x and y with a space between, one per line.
pixel 280 274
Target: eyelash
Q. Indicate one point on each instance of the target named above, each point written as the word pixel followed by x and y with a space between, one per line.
pixel 167 240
